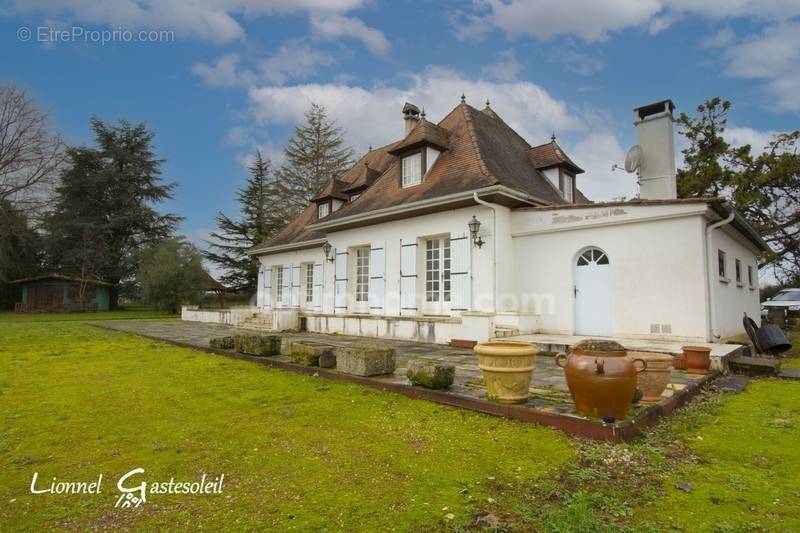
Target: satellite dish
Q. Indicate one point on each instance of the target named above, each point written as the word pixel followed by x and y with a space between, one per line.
pixel 634 158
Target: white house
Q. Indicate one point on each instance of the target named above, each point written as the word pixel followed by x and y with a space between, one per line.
pixel 462 231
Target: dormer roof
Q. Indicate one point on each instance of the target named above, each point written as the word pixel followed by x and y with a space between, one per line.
pixel 551 155
pixel 424 133
pixel 333 189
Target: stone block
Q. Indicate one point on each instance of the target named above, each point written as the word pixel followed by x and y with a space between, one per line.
pixel 365 359
pixel 429 373
pixel 262 345
pixel 308 353
pixel 222 343
pixel 327 359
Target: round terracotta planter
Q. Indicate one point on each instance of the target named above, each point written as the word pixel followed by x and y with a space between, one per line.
pixel 507 369
pixel 654 379
pixel 601 379
pixel 698 359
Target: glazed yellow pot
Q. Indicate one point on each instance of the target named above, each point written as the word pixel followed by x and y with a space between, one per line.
pixel 507 369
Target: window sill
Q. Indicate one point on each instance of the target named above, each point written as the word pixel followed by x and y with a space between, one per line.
pixel 740 284
pixel 724 280
pixel 752 288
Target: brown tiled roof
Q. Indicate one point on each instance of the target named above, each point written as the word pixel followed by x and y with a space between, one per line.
pixel 377 160
pixel 365 177
pixel 423 133
pixel 333 189
pixel 551 155
pixel 482 151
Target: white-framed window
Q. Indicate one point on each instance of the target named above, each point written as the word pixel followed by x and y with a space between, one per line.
pixel 362 274
pixel 309 283
pixel 412 169
pixel 721 266
pixel 323 210
pixel 279 284
pixel 750 275
pixel 437 270
pixel 567 184
pixel 738 270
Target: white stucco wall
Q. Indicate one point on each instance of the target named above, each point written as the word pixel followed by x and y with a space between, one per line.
pixel 656 258
pixel 436 224
pixel 732 298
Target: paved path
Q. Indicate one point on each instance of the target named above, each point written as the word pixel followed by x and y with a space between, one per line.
pixel 549 390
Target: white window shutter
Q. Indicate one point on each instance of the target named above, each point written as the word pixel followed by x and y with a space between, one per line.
pixel 266 288
pixel 408 276
pixel 260 288
pixel 316 291
pixel 377 278
pixel 460 274
pixel 286 291
pixel 340 281
pixel 295 292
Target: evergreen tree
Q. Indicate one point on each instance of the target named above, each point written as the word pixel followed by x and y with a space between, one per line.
pixel 20 252
pixel 764 187
pixel 260 218
pixel 315 154
pixel 104 212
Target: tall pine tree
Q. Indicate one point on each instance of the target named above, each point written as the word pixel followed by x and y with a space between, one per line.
pixel 315 154
pixel 104 208
pixel 260 218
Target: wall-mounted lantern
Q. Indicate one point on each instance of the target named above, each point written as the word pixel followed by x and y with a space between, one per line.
pixel 474 228
pixel 327 249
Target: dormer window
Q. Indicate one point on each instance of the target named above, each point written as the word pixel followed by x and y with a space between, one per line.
pixel 412 169
pixel 323 210
pixel 567 186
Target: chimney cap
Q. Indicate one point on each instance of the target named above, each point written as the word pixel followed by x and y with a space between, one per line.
pixel 655 108
pixel 410 109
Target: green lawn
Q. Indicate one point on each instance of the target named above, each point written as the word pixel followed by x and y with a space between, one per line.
pixel 303 453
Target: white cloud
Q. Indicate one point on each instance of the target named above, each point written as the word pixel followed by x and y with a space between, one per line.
pixel 596 153
pixel 224 72
pixel 774 56
pixel 575 61
pixel 292 61
pixel 593 21
pixel 757 139
pixel 588 19
pixel 505 68
pixel 371 116
pixel 722 39
pixel 335 26
pixel 207 20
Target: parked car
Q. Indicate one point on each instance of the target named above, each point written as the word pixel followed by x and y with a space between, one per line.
pixel 788 298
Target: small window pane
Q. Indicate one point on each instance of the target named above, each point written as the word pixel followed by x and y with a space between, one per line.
pixel 412 170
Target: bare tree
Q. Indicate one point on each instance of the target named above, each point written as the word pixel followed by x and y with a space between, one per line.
pixel 30 154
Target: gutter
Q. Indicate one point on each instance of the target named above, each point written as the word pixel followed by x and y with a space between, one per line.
pixel 286 247
pixel 433 202
pixel 494 246
pixel 712 281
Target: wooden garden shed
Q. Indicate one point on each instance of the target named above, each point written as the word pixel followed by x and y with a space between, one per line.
pixel 54 293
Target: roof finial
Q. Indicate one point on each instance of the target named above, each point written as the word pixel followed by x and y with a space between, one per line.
pixel 370 148
pixel 423 113
pixel 487 102
pixel 463 97
pixel 553 137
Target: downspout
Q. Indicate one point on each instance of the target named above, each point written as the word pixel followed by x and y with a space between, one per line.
pixel 712 282
pixel 494 245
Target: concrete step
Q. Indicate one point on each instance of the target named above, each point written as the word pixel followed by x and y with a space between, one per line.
pixel 755 366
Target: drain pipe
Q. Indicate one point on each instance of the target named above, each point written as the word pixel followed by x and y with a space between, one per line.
pixel 712 281
pixel 494 244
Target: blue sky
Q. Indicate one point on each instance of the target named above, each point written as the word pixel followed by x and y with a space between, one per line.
pixel 233 78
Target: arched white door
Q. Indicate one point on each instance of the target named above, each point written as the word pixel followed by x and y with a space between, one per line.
pixel 593 294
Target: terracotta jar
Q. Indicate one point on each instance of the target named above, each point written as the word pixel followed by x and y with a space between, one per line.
pixel 679 362
pixel 601 379
pixel 507 369
pixel 698 359
pixel 655 378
